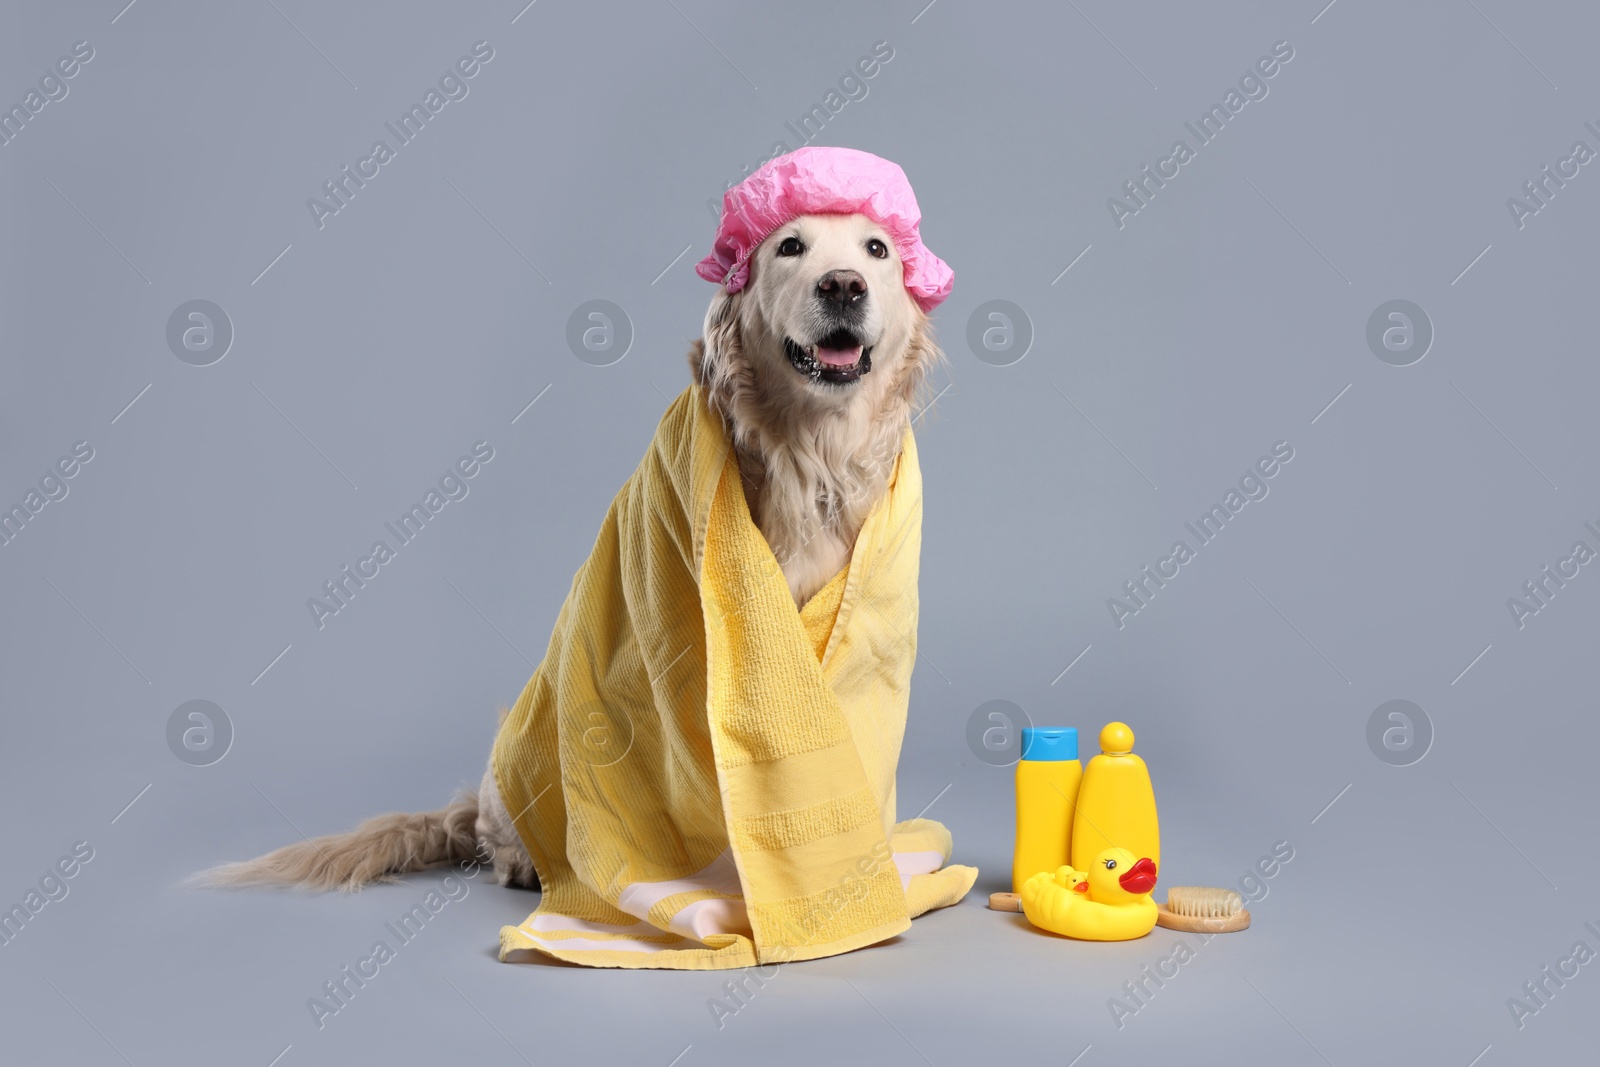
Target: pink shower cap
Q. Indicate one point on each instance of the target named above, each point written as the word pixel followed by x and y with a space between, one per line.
pixel 824 181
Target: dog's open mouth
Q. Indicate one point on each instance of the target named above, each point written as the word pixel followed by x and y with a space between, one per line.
pixel 839 358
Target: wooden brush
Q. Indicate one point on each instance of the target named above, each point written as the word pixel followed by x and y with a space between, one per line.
pixel 1005 902
pixel 1202 910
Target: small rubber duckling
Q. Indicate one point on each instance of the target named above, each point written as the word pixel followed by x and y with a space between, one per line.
pixel 1111 902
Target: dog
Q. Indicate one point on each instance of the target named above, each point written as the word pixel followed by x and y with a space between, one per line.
pixel 814 366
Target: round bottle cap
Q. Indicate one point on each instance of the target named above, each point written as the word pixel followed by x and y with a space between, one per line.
pixel 1049 743
pixel 1115 740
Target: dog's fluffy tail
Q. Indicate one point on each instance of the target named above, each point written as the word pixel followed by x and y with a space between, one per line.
pixel 375 851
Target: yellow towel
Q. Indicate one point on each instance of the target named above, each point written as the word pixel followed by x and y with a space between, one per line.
pixel 704 776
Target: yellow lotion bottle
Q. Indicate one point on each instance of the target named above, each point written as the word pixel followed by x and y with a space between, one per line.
pixel 1047 790
pixel 1116 806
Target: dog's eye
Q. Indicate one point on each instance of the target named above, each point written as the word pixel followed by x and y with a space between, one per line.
pixel 877 249
pixel 790 246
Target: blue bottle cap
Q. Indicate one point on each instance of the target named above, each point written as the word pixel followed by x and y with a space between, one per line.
pixel 1049 743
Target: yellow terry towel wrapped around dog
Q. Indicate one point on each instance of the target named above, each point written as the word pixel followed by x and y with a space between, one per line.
pixel 704 776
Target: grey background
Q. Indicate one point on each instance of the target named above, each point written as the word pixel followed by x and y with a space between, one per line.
pixel 1222 318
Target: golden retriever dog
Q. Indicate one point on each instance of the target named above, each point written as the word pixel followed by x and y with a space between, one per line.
pixel 814 367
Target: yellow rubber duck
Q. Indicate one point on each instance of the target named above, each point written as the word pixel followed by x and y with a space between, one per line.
pixel 1109 902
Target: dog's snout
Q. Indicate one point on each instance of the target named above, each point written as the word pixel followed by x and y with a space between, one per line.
pixel 842 287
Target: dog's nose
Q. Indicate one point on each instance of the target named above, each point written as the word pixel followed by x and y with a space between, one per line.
pixel 842 287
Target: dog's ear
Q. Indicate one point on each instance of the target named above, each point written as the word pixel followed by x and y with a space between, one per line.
pixel 717 360
pixel 923 357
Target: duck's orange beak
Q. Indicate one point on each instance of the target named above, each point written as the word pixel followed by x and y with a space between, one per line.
pixel 1081 887
pixel 1140 878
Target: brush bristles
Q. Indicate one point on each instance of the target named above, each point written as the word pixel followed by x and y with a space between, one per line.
pixel 1203 902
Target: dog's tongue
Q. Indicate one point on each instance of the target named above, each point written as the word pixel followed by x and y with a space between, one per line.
pixel 839 357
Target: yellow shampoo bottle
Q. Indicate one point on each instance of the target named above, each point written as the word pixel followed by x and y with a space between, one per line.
pixel 1116 806
pixel 1047 792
